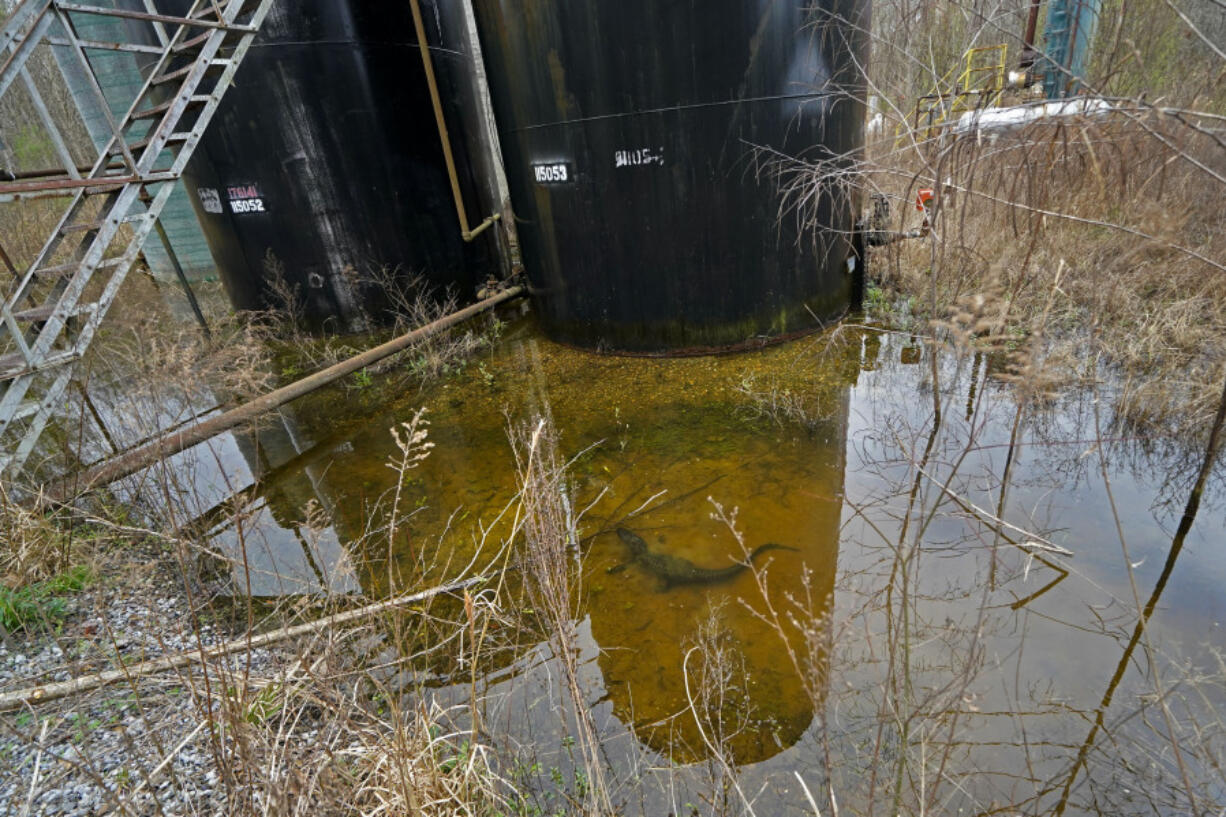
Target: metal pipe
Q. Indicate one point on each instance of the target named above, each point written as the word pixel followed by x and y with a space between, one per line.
pixel 170 444
pixel 881 239
pixel 8 264
pixel 488 138
pixel 97 416
pixel 1028 52
pixel 439 120
pixel 482 227
pixel 183 282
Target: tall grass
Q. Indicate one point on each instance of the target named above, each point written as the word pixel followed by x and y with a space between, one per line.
pixel 1122 206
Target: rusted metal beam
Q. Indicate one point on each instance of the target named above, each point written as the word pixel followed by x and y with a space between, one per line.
pixel 56 172
pixel 1028 51
pixel 182 277
pixel 99 45
pixel 66 184
pixel 8 263
pixel 150 18
pixel 99 181
pixel 67 187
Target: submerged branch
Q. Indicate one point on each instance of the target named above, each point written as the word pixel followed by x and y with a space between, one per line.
pixel 1034 541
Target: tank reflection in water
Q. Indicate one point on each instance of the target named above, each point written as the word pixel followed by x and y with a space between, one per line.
pixel 284 544
pixel 653 445
pixel 942 620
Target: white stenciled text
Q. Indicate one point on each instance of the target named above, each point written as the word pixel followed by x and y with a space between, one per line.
pixel 245 198
pixel 641 156
pixel 247 206
pixel 551 173
pixel 210 200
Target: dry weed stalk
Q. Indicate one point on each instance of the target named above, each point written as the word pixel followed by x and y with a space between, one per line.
pixel 402 302
pixel 546 523
pixel 412 302
pixel 715 675
pixel 337 722
pixel 287 307
pixel 413 445
pixel 33 545
pixel 1107 217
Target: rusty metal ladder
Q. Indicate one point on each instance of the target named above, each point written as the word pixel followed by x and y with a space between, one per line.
pixel 52 309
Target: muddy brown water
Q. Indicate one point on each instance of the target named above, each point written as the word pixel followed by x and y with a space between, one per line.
pixel 971 670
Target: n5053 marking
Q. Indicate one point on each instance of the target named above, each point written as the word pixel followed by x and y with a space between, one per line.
pixel 553 173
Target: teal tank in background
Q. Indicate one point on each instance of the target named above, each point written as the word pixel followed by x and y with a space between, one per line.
pixel 1070 32
pixel 120 77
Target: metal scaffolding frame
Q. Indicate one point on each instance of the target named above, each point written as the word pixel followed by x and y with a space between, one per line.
pixel 53 307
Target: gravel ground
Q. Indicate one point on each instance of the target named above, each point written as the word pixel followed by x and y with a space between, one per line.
pixel 135 748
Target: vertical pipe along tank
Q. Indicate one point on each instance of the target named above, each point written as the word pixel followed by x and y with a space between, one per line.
pixel 638 138
pixel 323 164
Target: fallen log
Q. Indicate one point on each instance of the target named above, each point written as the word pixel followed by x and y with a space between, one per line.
pixel 83 683
pixel 173 442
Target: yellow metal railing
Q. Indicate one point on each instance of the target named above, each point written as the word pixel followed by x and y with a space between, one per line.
pixel 980 84
pixel 984 75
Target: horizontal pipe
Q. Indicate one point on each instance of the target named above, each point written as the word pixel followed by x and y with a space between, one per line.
pixel 469 235
pixel 880 238
pixel 129 463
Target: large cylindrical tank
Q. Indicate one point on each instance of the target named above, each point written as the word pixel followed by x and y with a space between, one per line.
pixel 323 165
pixel 640 139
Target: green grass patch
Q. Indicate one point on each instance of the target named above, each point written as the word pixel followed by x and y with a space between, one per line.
pixel 43 601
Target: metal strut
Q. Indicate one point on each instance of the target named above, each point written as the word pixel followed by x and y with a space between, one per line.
pixel 53 307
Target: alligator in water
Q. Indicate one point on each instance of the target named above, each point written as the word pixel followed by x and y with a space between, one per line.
pixel 677 570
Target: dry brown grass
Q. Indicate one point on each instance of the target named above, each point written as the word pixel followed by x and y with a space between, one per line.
pixel 409 301
pixel 34 547
pixel 152 354
pixel 322 731
pixel 1116 216
pixel 333 722
pixel 1124 208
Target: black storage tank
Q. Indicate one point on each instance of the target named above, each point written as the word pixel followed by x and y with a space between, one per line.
pixel 635 135
pixel 323 164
